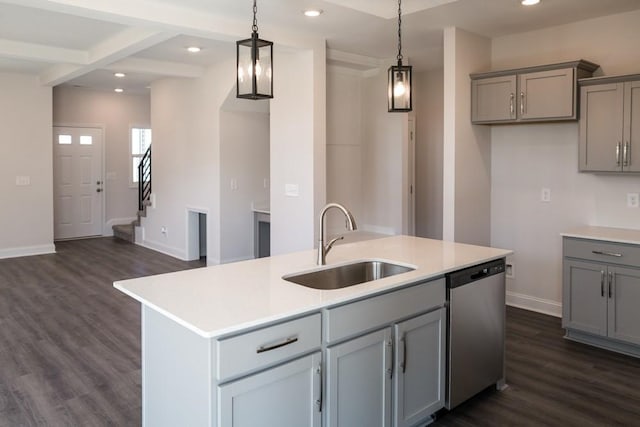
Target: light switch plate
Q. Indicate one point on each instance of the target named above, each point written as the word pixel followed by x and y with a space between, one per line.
pixel 633 200
pixel 291 190
pixel 23 180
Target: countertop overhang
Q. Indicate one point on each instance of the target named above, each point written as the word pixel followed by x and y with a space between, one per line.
pixel 607 234
pixel 224 299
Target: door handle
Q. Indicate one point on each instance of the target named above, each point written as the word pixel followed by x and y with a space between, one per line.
pixel 98 182
pixel 98 190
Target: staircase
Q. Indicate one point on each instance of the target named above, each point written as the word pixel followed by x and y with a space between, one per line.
pixel 128 231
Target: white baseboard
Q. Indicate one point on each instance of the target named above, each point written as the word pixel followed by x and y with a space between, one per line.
pixel 540 305
pixel 164 249
pixel 27 251
pixel 108 230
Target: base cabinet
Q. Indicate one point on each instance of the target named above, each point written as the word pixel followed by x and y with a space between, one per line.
pixel 419 386
pixel 287 395
pixel 600 296
pixel 359 381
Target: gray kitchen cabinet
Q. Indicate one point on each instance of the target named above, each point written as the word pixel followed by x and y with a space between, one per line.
pixel 287 395
pixel 359 375
pixel 610 124
pixel 419 386
pixel 533 94
pixel 601 294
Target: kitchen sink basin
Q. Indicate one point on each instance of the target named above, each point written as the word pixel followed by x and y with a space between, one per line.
pixel 346 275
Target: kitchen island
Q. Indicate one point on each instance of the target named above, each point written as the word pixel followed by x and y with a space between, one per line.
pixel 236 344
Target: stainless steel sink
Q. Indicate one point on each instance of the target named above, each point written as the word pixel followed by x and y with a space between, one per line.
pixel 346 275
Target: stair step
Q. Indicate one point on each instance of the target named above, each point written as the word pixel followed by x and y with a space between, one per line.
pixel 124 232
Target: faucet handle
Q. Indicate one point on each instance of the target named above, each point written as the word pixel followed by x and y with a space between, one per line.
pixel 330 244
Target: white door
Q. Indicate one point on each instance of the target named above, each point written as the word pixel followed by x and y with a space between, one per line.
pixel 77 182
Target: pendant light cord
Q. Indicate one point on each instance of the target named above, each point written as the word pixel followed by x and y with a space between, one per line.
pixel 399 32
pixel 255 20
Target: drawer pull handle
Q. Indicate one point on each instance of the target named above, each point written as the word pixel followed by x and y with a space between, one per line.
pixel 607 253
pixel 288 341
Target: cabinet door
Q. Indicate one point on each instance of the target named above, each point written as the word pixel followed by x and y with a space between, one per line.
pixel 547 95
pixel 287 395
pixel 493 99
pixel 601 125
pixel 420 368
pixel 584 300
pixel 631 149
pixel 624 304
pixel 359 381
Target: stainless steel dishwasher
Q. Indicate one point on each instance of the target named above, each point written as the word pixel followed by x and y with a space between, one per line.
pixel 475 330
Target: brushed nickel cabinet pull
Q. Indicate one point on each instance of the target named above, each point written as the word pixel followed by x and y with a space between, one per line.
pixel 607 253
pixel 288 341
pixel 511 104
pixel 404 353
pixel 521 104
pixel 618 153
pixel 602 283
pixel 610 284
pixel 625 154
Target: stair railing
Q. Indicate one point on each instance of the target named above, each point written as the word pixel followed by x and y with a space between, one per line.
pixel 144 179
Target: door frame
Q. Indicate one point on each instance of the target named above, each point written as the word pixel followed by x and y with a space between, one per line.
pixel 103 129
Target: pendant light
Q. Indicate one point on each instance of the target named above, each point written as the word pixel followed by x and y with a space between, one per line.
pixel 400 77
pixel 254 65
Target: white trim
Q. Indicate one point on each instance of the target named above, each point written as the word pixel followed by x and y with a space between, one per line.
pixel 539 305
pixel 164 249
pixel 27 251
pixel 108 226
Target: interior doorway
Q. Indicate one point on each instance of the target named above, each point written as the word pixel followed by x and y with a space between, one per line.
pixel 196 234
pixel 78 184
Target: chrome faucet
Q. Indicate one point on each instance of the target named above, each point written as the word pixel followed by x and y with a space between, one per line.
pixel 323 249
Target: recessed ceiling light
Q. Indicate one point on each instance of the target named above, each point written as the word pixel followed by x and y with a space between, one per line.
pixel 193 49
pixel 119 90
pixel 312 12
pixel 119 75
pixel 530 2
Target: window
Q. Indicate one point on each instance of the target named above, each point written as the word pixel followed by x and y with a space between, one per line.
pixel 140 143
pixel 64 139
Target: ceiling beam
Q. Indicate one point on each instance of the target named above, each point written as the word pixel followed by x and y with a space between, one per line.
pixel 40 53
pixel 119 46
pixel 155 67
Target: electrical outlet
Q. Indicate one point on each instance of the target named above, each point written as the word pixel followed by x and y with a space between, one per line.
pixel 545 195
pixel 633 200
pixel 22 180
pixel 164 231
pixel 510 271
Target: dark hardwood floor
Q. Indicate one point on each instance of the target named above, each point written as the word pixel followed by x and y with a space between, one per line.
pixel 69 341
pixel 70 351
pixel 554 382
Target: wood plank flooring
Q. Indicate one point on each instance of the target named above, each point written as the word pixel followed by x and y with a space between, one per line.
pixel 69 341
pixel 554 382
pixel 70 351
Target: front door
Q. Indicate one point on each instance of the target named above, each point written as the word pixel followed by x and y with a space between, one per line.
pixel 77 182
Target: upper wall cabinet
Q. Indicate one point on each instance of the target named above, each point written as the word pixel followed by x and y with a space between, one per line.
pixel 533 94
pixel 610 124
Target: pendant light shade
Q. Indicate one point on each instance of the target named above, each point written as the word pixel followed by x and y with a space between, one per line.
pixel 254 65
pixel 399 91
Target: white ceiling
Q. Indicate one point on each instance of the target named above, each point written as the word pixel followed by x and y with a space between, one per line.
pixel 82 42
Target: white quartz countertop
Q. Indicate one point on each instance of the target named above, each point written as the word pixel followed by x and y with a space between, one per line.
pixel 219 300
pixel 610 234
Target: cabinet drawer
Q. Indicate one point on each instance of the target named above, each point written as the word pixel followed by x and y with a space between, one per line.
pixel 600 251
pixel 257 349
pixel 351 319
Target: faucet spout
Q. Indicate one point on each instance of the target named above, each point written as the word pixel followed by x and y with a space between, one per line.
pixel 323 249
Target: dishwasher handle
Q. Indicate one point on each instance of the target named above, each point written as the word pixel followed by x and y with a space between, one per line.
pixel 480 274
